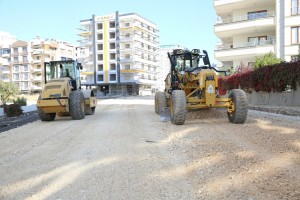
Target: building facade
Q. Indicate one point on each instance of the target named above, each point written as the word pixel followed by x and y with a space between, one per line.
pixel 248 29
pixel 22 62
pixel 121 53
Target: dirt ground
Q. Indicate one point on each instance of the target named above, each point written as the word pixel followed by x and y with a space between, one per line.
pixel 124 151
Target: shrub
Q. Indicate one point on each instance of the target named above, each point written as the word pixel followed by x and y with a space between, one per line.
pixel 22 101
pixel 13 110
pixel 8 91
pixel 276 78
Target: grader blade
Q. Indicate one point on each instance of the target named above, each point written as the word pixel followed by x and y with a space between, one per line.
pixel 165 114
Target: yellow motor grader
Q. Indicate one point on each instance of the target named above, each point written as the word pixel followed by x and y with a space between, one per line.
pixel 62 94
pixel 192 86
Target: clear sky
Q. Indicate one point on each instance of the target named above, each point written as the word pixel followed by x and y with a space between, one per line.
pixel 188 23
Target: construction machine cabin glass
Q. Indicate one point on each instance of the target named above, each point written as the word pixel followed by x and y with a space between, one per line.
pixel 63 69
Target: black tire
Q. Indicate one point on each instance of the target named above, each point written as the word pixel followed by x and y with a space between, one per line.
pixel 89 110
pixel 239 114
pixel 178 107
pixel 160 102
pixel 77 105
pixel 47 117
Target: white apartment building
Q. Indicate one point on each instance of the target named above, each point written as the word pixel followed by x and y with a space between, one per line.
pixel 164 63
pixel 22 62
pixel 248 29
pixel 121 54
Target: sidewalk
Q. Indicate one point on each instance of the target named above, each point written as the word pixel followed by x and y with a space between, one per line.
pixel 284 110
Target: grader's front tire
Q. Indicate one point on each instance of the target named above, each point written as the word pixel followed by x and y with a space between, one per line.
pixel 237 113
pixel 160 102
pixel 46 117
pixel 178 107
pixel 77 105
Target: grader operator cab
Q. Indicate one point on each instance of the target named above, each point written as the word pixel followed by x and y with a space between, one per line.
pixel 192 86
pixel 62 94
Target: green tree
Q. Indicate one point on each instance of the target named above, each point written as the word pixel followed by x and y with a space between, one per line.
pixel 266 60
pixel 8 91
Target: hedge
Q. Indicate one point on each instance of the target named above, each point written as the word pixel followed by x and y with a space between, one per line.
pixel 274 78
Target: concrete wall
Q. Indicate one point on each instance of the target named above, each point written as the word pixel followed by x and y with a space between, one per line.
pixel 290 98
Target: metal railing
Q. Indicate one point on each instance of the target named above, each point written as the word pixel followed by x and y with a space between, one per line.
pixel 248 17
pixel 295 11
pixel 245 44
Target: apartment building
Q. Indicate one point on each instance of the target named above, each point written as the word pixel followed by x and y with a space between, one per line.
pixel 121 53
pixel 248 29
pixel 22 62
pixel 6 39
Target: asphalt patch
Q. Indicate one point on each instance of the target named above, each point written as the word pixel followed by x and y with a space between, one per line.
pixel 8 123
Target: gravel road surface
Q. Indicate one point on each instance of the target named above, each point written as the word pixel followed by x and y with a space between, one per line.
pixel 124 151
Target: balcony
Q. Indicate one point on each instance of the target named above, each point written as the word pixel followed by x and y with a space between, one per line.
pixel 226 5
pixel 36 79
pixel 5 63
pixel 230 52
pixel 5 71
pixel 259 22
pixel 5 55
pixel 126 39
pixel 36 70
pixel 36 61
pixel 36 87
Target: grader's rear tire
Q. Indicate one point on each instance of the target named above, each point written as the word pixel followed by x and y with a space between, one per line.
pixel 178 107
pixel 160 102
pixel 77 105
pixel 238 113
pixel 47 117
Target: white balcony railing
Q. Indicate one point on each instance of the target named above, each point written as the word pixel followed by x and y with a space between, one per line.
pixel 246 17
pixel 245 44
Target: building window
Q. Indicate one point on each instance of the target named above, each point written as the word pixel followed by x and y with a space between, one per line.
pixel 25 67
pixel 112 24
pixel 127 56
pixel 25 76
pixel 112 77
pixel 127 24
pixel 112 56
pixel 100 36
pixel 100 77
pixel 257 14
pixel 112 45
pixel 295 7
pixel 25 59
pixel 112 35
pixel 296 35
pixel 16 76
pixel 100 47
pixel 15 50
pixel 16 68
pixel 113 66
pixel 100 67
pixel 127 35
pixel 99 26
pixel 127 46
pixel 127 67
pixel 100 57
pixel 260 40
pixel 24 49
pixel 16 59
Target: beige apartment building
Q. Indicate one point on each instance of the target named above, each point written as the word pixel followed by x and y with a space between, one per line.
pixel 248 29
pixel 22 62
pixel 121 54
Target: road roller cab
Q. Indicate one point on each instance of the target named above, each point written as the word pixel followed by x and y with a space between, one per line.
pixel 62 94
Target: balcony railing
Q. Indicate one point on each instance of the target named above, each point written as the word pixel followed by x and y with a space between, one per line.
pixel 248 17
pixel 245 44
pixel 295 11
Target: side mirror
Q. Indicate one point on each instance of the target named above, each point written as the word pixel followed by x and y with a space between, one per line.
pixel 79 66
